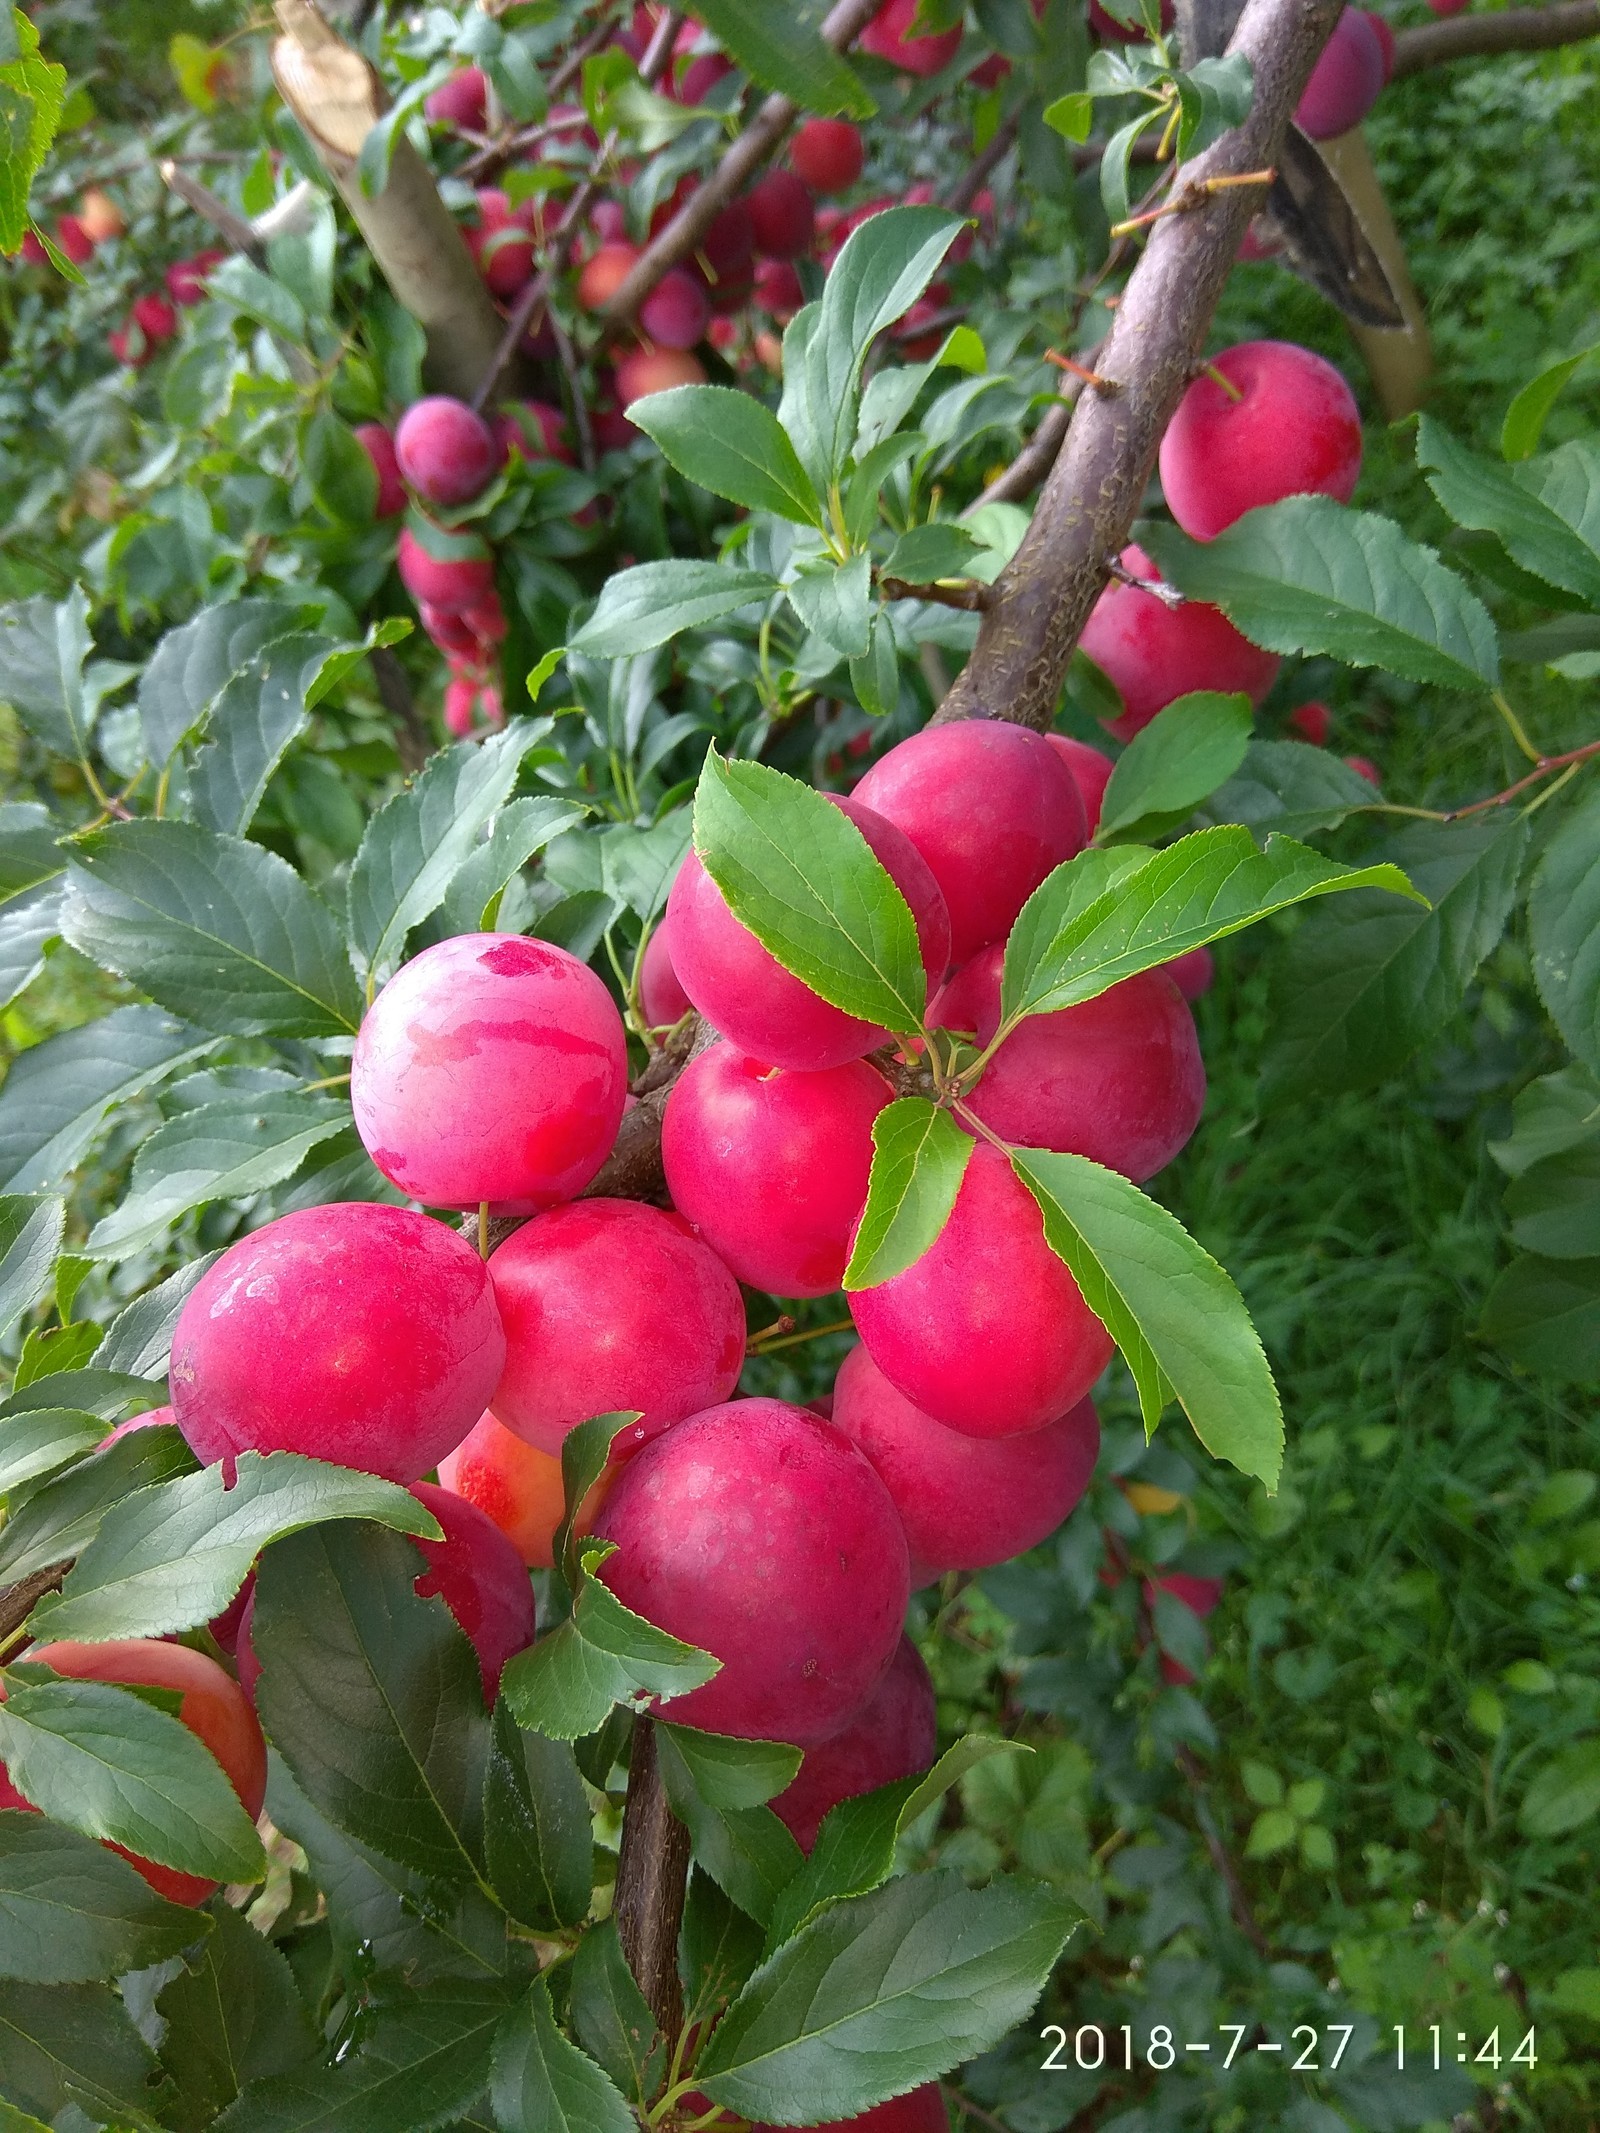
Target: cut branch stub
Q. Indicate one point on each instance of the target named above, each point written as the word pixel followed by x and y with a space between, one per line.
pixel 1043 596
pixel 336 96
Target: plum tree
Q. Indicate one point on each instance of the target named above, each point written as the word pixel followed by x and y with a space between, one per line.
pixel 987 1331
pixel 1118 1079
pixel 965 1502
pixel 828 153
pixel 891 35
pixel 771 1166
pixel 1155 653
pixel 1268 420
pixel 446 451
pixel 1090 770
pixel 608 1305
pixel 662 999
pixel 512 1483
pixel 490 1068
pixel 480 1577
pixel 764 1009
pixel 804 1610
pixel 782 215
pixel 211 1704
pixel 992 808
pixel 1347 79
pixel 383 1330
pixel 893 1735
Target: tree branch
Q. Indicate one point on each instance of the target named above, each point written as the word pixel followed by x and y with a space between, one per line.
pixel 18 1601
pixel 652 1876
pixel 1043 596
pixel 754 147
pixel 1517 29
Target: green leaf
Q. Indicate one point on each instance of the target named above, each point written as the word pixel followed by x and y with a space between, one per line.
pixel 43 646
pixel 72 1912
pixel 252 721
pixel 1177 1317
pixel 780 47
pixel 215 928
pixel 1565 1794
pixel 928 553
pixel 1178 760
pixel 882 1993
pixel 731 444
pixel 224 1151
pixel 1529 410
pixel 1271 1832
pixel 418 2060
pixel 169 1558
pixel 1564 929
pixel 1554 1207
pixel 584 1453
pixel 834 602
pixel 66 2045
pixel 1215 882
pixel 101 1760
pixel 520 829
pixel 876 678
pixel 612 2018
pixel 60 1519
pixel 57 1093
pixel 883 267
pixel 1490 499
pixel 233 2016
pixel 1550 643
pixel 372 1696
pixel 655 602
pixel 30 1238
pixel 1545 1315
pixel 855 1848
pixel 27 926
pixel 1364 983
pixel 720 1946
pixel 29 853
pixel 1557 1112
pixel 417 843
pixel 342 479
pixel 538 1844
pixel 1071 115
pixel 798 872
pixel 1308 575
pixel 603 1654
pixel 41 1441
pixel 139 1339
pixel 919 1158
pixel 542 2083
pixel 1291 788
pixel 193 666
pixel 638 866
pixel 33 92
pixel 738 1841
pixel 731 1773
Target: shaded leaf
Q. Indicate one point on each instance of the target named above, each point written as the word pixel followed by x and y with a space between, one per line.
pixel 72 1912
pixel 1494 499
pixel 61 1518
pixel 542 2083
pixel 538 1843
pixel 30 1238
pixel 71 2044
pixel 611 2016
pixel 1175 762
pixel 233 2016
pixel 57 1093
pixel 1545 1315
pixel 1564 929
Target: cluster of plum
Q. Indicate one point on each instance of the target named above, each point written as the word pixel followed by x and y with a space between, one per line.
pixel 491 1073
pixel 152 320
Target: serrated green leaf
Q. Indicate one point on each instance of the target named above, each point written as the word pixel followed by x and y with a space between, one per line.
pixel 1545 1315
pixel 57 1093
pixel 799 874
pixel 1290 788
pixel 30 1238
pixel 232 2016
pixel 732 1773
pixel 731 444
pixel 612 2017
pixel 214 928
pixel 44 645
pixel 855 1847
pixel 538 1844
pixel 928 553
pixel 1564 929
pixel 27 926
pixel 1492 499
pixel 1525 418
pixel 417 843
pixel 1178 760
pixel 1554 1207
pixel 372 1696
pixel 72 1912
pixel 520 829
pixel 65 2045
pixel 1172 1310
pixel 876 678
pixel 100 1760
pixel 834 602
pixel 42 1440
pixel 1214 882
pixel 194 664
pixel 780 47
pixel 1557 1112
pixel 1309 575
pixel 61 1518
pixel 882 1993
pixel 542 2083
pixel 139 1339
pixel 655 602
pixel 1364 983
pixel 251 722
pixel 747 1851
pixel 584 1452
pixel 919 1157
pixel 169 1558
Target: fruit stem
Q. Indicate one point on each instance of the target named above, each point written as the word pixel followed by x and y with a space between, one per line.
pixel 1220 377
pixel 759 1346
pixel 1518 732
pixel 483 1229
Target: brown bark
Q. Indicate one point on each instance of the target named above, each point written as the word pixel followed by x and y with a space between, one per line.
pixel 1517 29
pixel 336 95
pixel 18 1601
pixel 652 1878
pixel 754 147
pixel 1044 595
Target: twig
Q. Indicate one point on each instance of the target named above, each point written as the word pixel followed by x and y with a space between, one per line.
pixel 493 156
pixel 412 740
pixel 222 218
pixel 1157 588
pixel 976 175
pixel 534 300
pixel 1517 29
pixel 1238 1902
pixel 754 147
pixel 652 1876
pixel 1541 769
pixel 969 594
pixel 18 1601
pixel 582 427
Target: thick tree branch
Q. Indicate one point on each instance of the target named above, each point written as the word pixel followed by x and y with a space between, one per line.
pixel 335 93
pixel 652 1876
pixel 1517 29
pixel 1043 597
pixel 754 147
